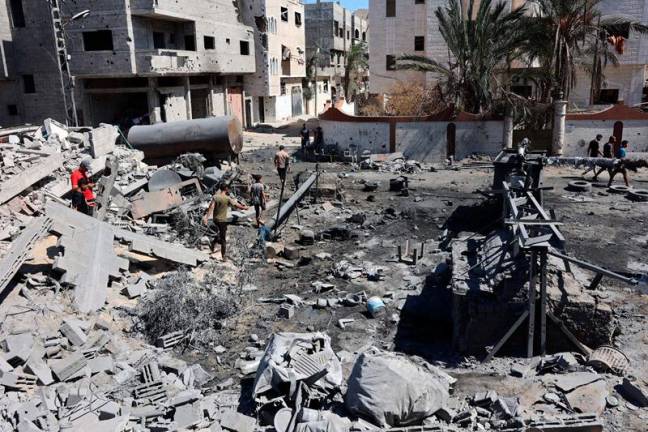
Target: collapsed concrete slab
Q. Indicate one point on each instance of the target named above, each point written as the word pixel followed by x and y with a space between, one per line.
pixel 18 183
pixel 20 250
pixel 103 139
pixel 65 220
pixel 88 263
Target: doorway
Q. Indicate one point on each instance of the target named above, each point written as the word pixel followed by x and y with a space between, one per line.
pixel 296 95
pixel 618 134
pixel 451 132
pixel 235 99
pixel 248 113
pixel 261 110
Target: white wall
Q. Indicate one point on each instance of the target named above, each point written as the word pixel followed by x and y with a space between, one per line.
pixel 578 134
pixel 423 141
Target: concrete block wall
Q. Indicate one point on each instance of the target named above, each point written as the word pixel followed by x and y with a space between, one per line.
pixel 578 134
pixel 419 140
pixel 370 136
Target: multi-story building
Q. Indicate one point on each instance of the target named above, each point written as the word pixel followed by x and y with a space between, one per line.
pixel 275 89
pixel 411 27
pixel 332 31
pixel 156 60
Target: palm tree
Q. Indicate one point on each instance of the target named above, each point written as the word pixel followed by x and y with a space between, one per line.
pixel 480 42
pixel 568 34
pixel 357 61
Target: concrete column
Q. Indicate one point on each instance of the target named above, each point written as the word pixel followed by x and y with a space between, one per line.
pixel 155 111
pixel 212 105
pixel 187 91
pixel 508 130
pixel 560 114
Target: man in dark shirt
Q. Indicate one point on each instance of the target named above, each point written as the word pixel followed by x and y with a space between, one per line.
pixel 620 167
pixel 594 150
pixel 608 148
pixel 304 133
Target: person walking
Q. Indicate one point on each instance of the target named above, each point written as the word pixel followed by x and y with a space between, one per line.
pixel 594 151
pixel 282 163
pixel 608 148
pixel 258 197
pixel 218 206
pixel 620 166
pixel 304 133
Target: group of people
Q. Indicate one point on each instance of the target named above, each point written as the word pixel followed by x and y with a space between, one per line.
pixel 318 138
pixel 222 201
pixel 594 151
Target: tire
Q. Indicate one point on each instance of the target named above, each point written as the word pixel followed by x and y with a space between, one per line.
pixel 619 189
pixel 579 186
pixel 638 195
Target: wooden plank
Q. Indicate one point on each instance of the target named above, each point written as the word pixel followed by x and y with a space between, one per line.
pixel 545 216
pixel 543 302
pixel 582 347
pixel 506 336
pixel 593 267
pixel 595 282
pixel 532 300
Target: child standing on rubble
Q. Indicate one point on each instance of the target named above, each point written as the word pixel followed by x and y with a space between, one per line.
pixel 218 210
pixel 258 197
pixel 79 200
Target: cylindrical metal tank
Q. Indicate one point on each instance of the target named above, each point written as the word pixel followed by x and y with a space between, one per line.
pixel 214 137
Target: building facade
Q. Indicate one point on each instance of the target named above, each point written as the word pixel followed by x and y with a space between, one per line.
pixel 275 89
pixel 411 27
pixel 151 60
pixel 332 31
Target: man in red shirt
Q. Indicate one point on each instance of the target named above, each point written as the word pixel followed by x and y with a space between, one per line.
pixel 83 172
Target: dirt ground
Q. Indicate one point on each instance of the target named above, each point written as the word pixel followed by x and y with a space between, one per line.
pixel 602 228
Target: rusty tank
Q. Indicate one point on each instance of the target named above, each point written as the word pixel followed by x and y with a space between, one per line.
pixel 214 137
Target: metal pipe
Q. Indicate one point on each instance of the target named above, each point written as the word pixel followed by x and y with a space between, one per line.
pixel 287 208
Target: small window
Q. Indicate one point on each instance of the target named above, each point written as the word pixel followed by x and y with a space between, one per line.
pixel 283 88
pixel 99 40
pixel 284 14
pixel 298 20
pixel 336 28
pixel 12 110
pixel 17 13
pixel 245 48
pixel 390 62
pixel 210 42
pixel 419 1
pixel 326 86
pixel 28 84
pixel 364 36
pixel 356 34
pixel 419 43
pixel 348 34
pixel 391 8
pixel 190 42
pixel 607 96
pixel 158 40
pixel 227 41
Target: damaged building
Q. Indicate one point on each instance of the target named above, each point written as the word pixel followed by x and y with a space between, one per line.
pixel 127 63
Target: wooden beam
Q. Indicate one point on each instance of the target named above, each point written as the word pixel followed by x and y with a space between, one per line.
pixel 532 300
pixel 506 336
pixel 545 216
pixel 593 267
pixel 543 302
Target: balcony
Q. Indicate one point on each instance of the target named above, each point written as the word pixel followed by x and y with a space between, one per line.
pixel 165 61
pixel 168 9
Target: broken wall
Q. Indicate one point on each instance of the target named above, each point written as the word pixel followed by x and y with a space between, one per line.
pixel 578 134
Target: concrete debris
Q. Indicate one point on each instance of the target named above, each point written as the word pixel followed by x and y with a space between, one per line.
pixel 103 140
